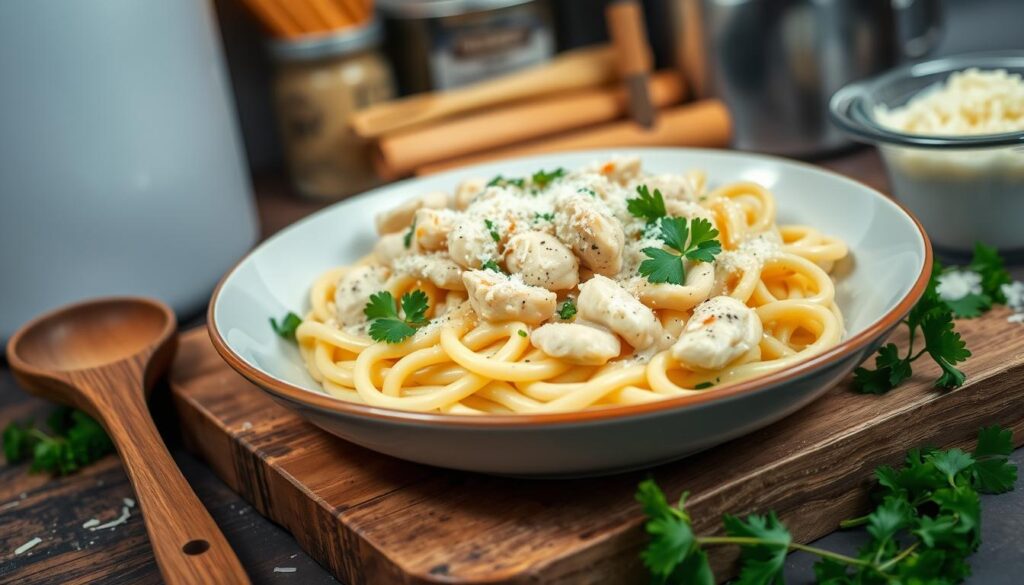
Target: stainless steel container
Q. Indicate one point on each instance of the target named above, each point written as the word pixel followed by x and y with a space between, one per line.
pixel 776 62
pixel 443 44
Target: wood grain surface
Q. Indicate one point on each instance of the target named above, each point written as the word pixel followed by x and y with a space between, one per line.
pixel 372 519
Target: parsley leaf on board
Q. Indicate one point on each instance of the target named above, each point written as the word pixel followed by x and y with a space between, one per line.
pixel 647 206
pixel 970 305
pixel 987 262
pixel 663 266
pixel 75 440
pixel 926 524
pixel 933 318
pixel 286 328
pixel 567 310
pixel 385 323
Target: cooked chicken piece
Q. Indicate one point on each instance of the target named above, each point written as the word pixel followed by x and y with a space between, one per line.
pixel 619 169
pixel 470 243
pixel 399 218
pixel 720 330
pixel 603 301
pixel 700 278
pixel 433 227
pixel 587 226
pixel 542 260
pixel 436 267
pixel 466 191
pixel 577 343
pixel 498 297
pixel 390 247
pixel 354 290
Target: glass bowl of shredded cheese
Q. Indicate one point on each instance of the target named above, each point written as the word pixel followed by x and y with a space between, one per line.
pixel 951 133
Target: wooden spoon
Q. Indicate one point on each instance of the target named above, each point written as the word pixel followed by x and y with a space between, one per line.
pixel 102 357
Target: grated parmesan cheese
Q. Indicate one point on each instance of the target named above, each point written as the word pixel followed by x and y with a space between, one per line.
pixel 1014 294
pixel 970 102
pixel 27 546
pixel 285 569
pixel 957 284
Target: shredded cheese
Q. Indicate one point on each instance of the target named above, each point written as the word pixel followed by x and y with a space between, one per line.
pixel 27 546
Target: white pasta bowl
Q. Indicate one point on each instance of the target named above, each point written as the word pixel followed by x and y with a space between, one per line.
pixel 891 264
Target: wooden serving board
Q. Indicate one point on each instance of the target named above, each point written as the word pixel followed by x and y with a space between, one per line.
pixel 373 519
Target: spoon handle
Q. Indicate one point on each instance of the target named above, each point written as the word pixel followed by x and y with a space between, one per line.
pixel 189 547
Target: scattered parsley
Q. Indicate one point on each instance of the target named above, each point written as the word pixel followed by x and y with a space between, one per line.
pixel 665 266
pixel 500 181
pixel 647 206
pixel 407 238
pixel 541 179
pixel 987 262
pixel 74 441
pixel 286 328
pixel 705 384
pixel 385 323
pixel 934 319
pixel 587 191
pixel 544 217
pixel 492 230
pixel 491 265
pixel 522 333
pixel 567 310
pixel 925 525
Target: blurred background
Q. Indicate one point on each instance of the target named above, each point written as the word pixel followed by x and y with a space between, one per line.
pixel 133 135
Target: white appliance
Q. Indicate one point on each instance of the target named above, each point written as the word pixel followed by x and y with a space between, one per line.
pixel 121 167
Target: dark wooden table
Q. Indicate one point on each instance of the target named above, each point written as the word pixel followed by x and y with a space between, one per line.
pixel 54 509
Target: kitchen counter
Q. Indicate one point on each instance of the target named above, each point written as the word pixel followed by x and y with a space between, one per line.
pixel 53 509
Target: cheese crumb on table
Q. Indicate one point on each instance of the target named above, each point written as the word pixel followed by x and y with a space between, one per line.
pixel 27 546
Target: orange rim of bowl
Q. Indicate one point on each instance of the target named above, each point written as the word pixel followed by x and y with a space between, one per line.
pixel 324 402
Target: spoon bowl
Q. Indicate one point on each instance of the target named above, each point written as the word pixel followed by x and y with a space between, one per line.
pixel 102 357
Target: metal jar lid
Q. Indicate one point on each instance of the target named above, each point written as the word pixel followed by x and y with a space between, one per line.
pixel 416 9
pixel 312 47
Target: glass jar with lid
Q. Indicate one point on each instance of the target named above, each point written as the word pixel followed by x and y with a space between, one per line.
pixel 320 82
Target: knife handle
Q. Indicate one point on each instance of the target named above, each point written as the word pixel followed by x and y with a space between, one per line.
pixel 629 37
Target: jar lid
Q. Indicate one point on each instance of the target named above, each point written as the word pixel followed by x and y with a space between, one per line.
pixel 412 9
pixel 311 47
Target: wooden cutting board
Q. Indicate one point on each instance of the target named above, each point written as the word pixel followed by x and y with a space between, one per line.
pixel 373 519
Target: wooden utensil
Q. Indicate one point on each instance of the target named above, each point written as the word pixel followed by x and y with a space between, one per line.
pixel 400 153
pixel 102 357
pixel 577 69
pixel 629 37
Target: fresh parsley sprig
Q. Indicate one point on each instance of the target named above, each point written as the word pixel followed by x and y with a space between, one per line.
pixel 924 527
pixel 385 323
pixel 74 441
pixel 934 319
pixel 647 206
pixel 992 273
pixel 666 266
pixel 286 328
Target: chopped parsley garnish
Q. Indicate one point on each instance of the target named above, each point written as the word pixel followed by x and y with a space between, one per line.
pixel 934 319
pixel 286 328
pixel 74 441
pixel 491 265
pixel 544 216
pixel 500 181
pixel 541 179
pixel 492 230
pixel 385 323
pixel 407 238
pixel 567 310
pixel 587 191
pixel 522 333
pixel 925 525
pixel 647 206
pixel 664 266
pixel 705 384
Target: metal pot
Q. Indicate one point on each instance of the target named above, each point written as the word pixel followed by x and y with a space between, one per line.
pixel 775 63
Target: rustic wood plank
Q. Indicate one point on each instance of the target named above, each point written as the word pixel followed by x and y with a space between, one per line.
pixel 370 518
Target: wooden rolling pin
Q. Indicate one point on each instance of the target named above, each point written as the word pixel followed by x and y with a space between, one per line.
pixel 400 154
pixel 578 69
pixel 705 123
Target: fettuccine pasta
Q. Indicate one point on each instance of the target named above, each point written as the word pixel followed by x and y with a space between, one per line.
pixel 572 290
